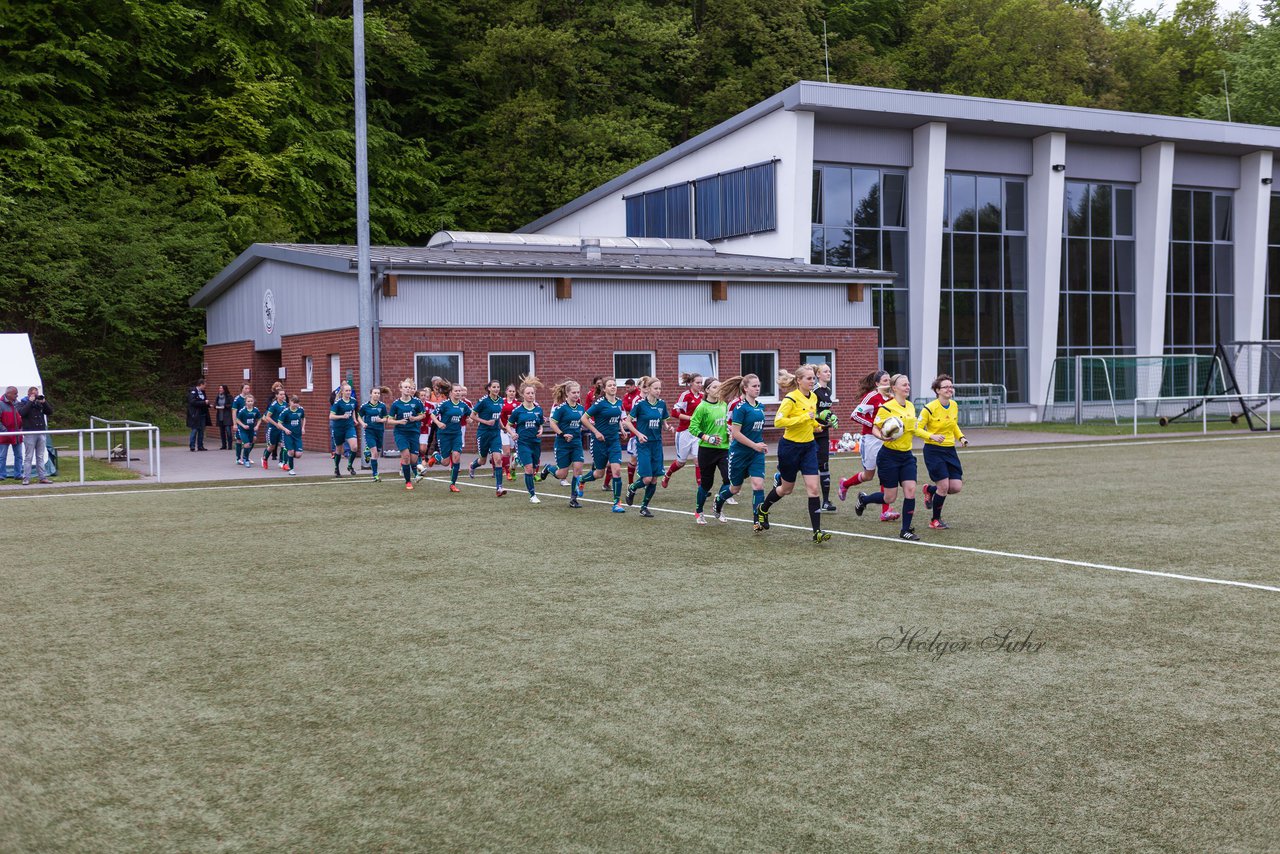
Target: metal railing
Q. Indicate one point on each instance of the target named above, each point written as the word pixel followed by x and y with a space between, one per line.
pixel 1254 401
pixel 151 432
pixel 119 425
pixel 980 404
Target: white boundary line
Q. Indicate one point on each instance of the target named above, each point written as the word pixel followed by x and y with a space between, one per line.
pixel 519 491
pixel 1129 443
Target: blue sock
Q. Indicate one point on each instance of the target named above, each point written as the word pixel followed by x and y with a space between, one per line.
pixel 373 461
pixel 649 490
pixel 454 473
pixel 404 470
pixel 876 498
pixel 908 510
pixel 937 505
pixel 724 493
pixel 702 498
pixel 497 476
pixel 528 483
pixel 589 476
pixel 617 490
pixel 757 498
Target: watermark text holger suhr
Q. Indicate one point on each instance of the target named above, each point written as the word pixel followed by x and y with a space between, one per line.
pixel 924 640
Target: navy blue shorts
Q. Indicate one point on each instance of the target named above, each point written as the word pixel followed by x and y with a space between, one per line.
pixel 943 463
pixel 407 441
pixel 274 434
pixel 292 443
pixel 744 463
pixel 450 444
pixel 489 442
pixel 605 452
pixel 568 453
pixel 244 437
pixel 793 457
pixel 373 439
pixel 342 431
pixel 895 467
pixel 530 453
pixel 649 458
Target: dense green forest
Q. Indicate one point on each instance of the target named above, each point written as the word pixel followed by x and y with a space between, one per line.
pixel 144 143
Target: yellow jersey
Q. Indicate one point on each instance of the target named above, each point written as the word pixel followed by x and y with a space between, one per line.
pixel 905 411
pixel 936 418
pixel 795 416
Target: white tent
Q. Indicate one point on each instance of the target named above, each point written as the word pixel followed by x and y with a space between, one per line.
pixel 18 363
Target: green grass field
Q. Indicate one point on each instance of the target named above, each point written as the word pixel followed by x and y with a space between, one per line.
pixel 340 666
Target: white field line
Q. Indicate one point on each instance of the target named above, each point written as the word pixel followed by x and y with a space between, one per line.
pixel 1129 443
pixel 520 492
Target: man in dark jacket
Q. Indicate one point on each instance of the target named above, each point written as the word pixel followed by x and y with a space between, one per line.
pixel 35 412
pixel 10 422
pixel 197 415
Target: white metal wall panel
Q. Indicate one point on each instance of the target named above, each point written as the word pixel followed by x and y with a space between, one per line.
pixel 1192 169
pixel 996 155
pixel 434 302
pixel 1103 163
pixel 870 146
pixel 305 300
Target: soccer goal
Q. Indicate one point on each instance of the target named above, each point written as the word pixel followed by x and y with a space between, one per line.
pixel 1111 388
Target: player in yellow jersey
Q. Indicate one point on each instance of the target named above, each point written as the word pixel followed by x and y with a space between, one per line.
pixel 896 464
pixel 939 419
pixel 797 451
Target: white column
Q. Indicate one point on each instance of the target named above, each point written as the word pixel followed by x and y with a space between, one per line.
pixel 1044 260
pixel 926 179
pixel 797 176
pixel 1252 208
pixel 1152 203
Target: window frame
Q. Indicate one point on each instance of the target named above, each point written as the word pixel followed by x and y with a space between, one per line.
pixel 309 373
pixel 418 380
pixel 831 360
pixel 489 363
pixel 713 355
pixel 773 375
pixel 653 364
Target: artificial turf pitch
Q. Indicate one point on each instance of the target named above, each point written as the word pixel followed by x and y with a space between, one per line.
pixel 345 666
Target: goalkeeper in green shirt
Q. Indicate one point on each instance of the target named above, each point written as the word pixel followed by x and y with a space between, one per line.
pixel 710 426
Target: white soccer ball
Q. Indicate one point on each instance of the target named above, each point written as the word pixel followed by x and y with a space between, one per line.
pixel 891 428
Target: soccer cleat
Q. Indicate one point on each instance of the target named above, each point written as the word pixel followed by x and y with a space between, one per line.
pixel 542 475
pixel 828 507
pixel 618 508
pixel 573 502
pixel 843 492
pixel 564 482
pixel 699 518
pixel 408 486
pixel 862 503
pixel 417 478
pixel 336 473
pixel 821 536
pixel 471 469
pixel 264 463
pixel 719 507
pixel 938 525
pixel 631 497
pixel 777 479
pixel 284 467
pixel 511 475
pixel 580 491
pixel 351 469
pixel 421 468
pixel 292 473
pixel 666 481
pixel 453 487
pixel 646 512
pixel 606 487
pixel 437 458
pixel 720 516
pixel 762 519
pixel 499 492
pixel 732 501
pixel 377 479
pixel 890 515
pixel 928 499
pixel 533 499
pixel 909 535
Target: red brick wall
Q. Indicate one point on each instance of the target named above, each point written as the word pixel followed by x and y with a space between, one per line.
pixel 226 364
pixel 318 345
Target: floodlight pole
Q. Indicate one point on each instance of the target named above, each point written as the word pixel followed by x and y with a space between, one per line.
pixel 364 281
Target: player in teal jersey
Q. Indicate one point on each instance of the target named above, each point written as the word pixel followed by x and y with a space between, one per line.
pixel 246 421
pixel 487 415
pixel 449 417
pixel 293 423
pixel 274 435
pixel 648 416
pixel 566 423
pixel 236 406
pixel 604 419
pixel 372 417
pixel 342 423
pixel 525 427
pixel 406 415
pixel 747 448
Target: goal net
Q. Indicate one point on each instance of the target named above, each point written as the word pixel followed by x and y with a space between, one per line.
pixel 1090 388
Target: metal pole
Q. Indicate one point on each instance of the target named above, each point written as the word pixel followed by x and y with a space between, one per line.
pixel 157 429
pixel 1079 389
pixel 364 283
pixel 128 452
pixel 80 438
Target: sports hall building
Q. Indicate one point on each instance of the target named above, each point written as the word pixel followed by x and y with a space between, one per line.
pixel 473 306
pixel 1020 233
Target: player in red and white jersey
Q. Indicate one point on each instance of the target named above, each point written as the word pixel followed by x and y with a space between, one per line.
pixel 872 394
pixel 424 431
pixel 630 394
pixel 686 443
pixel 509 402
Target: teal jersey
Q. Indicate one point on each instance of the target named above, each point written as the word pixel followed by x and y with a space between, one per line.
pixel 453 416
pixel 343 407
pixel 370 411
pixel 606 416
pixel 569 420
pixel 291 419
pixel 526 422
pixel 489 408
pixel 402 408
pixel 249 418
pixel 648 417
pixel 750 420
pixel 274 410
pixel 238 403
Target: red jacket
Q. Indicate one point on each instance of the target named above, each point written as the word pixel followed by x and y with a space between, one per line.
pixel 10 421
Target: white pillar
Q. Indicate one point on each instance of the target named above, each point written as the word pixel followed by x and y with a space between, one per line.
pixel 1044 260
pixel 797 176
pixel 1152 203
pixel 1252 208
pixel 926 179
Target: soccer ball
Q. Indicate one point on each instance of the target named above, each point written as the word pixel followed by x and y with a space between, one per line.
pixel 847 442
pixel 891 428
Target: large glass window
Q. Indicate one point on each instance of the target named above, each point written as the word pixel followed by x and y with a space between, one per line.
pixel 860 220
pixel 982 326
pixel 728 204
pixel 507 368
pixel 447 366
pixel 633 365
pixel 1271 309
pixel 1198 313
pixel 1096 310
pixel 764 364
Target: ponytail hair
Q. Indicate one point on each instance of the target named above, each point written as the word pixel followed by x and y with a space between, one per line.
pixel 731 388
pixel 870 382
pixel 444 387
pixel 527 380
pixel 688 377
pixel 788 382
pixel 560 391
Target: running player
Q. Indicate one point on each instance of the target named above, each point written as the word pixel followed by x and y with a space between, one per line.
pixel 293 424
pixel 236 406
pixel 451 413
pixel 566 423
pixel 686 442
pixel 342 423
pixel 406 416
pixel 648 416
pixel 940 420
pixel 709 427
pixel 746 452
pixel 272 450
pixel 525 427
pixel 797 452
pixel 372 417
pixel 509 402
pixel 604 419
pixel 246 421
pixel 630 394
pixel 822 433
pixel 896 463
pixel 426 430
pixel 487 415
pixel 872 394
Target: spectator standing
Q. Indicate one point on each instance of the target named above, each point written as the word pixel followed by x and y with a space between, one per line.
pixel 10 422
pixel 197 415
pixel 222 406
pixel 35 412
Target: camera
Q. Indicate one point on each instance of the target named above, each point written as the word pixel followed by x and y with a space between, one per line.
pixel 39 397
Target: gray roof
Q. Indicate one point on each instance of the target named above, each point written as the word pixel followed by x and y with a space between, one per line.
pixel 489 258
pixel 871 106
